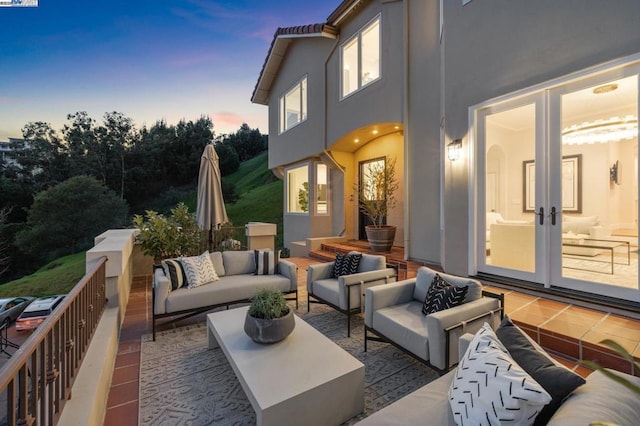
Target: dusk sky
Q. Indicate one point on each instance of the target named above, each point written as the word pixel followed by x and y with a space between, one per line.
pixel 148 59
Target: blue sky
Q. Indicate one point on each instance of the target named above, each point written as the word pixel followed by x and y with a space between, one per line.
pixel 149 59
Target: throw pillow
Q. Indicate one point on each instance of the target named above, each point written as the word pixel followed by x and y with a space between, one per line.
pixel 346 264
pixel 267 262
pixel 558 381
pixel 489 387
pixel 173 269
pixel 442 295
pixel 199 270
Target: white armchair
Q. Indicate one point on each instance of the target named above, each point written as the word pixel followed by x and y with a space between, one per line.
pixel 393 314
pixel 345 293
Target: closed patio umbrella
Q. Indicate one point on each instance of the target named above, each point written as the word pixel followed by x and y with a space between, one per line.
pixel 210 212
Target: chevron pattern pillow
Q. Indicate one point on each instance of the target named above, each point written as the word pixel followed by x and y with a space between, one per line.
pixel 489 387
pixel 346 264
pixel 199 270
pixel 267 262
pixel 441 295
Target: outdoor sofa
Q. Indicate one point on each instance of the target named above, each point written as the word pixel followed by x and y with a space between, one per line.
pixel 237 283
pixel 600 399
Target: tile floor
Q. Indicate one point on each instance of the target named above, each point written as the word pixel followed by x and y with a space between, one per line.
pixel 570 332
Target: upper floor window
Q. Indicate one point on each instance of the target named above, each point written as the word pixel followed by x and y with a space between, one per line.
pixel 361 58
pixel 293 106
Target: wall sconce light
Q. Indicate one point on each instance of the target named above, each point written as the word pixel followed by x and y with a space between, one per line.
pixel 454 149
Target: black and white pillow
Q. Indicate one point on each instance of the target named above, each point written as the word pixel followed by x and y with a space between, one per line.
pixel 199 270
pixel 441 295
pixel 558 380
pixel 172 268
pixel 489 387
pixel 346 264
pixel 267 262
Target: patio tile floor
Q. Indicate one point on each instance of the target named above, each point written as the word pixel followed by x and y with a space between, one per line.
pixel 567 331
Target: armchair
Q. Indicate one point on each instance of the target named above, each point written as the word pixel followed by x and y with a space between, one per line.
pixel 393 314
pixel 346 293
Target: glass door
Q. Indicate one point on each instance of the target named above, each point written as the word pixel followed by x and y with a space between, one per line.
pixel 511 183
pixel 594 184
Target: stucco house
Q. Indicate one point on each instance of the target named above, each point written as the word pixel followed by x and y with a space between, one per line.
pixel 513 124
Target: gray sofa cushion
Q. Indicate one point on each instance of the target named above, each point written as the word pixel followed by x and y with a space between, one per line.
pixel 227 289
pixel 218 265
pixel 600 399
pixel 371 262
pixel 405 325
pixel 425 277
pixel 239 262
pixel 428 405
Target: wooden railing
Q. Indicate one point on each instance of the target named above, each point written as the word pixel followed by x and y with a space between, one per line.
pixel 37 380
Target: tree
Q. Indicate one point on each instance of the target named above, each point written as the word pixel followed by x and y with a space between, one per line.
pixel 228 158
pixel 65 218
pixel 5 259
pixel 247 142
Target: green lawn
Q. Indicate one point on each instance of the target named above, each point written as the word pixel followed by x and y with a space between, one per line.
pixel 57 277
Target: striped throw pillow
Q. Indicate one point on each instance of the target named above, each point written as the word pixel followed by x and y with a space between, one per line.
pixel 267 262
pixel 172 268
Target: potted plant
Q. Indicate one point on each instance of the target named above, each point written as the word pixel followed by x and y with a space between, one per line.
pixel 163 237
pixel 376 194
pixel 269 318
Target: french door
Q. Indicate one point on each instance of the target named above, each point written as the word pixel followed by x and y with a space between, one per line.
pixel 557 185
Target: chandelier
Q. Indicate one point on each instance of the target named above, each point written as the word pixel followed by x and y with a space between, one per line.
pixel 601 131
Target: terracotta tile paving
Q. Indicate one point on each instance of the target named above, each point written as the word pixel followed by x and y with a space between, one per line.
pixel 567 331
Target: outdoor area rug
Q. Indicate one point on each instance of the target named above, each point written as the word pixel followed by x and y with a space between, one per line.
pixel 182 382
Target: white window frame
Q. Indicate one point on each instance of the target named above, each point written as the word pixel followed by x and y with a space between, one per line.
pixel 289 193
pixel 316 190
pixel 358 38
pixel 302 86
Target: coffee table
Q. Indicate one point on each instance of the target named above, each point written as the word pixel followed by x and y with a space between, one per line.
pixel 591 243
pixel 304 379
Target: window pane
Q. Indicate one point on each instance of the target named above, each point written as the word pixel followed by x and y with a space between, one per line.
pixel 321 188
pixel 350 67
pixel 303 99
pixel 371 53
pixel 292 107
pixel 298 190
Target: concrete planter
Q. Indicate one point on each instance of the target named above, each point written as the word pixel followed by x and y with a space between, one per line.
pixel 380 237
pixel 269 331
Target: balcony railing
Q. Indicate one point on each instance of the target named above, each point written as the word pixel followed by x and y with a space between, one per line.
pixel 37 380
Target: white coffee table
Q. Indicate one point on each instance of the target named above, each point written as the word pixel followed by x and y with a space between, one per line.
pixel 304 379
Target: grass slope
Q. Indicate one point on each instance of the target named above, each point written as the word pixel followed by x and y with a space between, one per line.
pixel 260 200
pixel 57 277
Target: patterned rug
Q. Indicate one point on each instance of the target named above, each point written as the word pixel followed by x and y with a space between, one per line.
pixel 182 382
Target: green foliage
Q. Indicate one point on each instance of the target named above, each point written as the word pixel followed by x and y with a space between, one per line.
pixel 65 218
pixel 163 237
pixel 57 277
pixel 268 304
pixel 247 142
pixel 303 197
pixel 377 190
pixel 228 159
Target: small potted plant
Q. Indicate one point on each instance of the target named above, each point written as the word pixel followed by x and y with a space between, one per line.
pixel 269 318
pixel 376 194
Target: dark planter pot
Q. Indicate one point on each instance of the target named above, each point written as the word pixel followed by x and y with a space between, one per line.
pixel 269 331
pixel 380 237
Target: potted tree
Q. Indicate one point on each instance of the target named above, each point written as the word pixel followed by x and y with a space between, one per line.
pixel 376 194
pixel 162 237
pixel 269 318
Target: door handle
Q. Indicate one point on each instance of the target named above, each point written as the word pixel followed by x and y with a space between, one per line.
pixel 553 215
pixel 540 215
